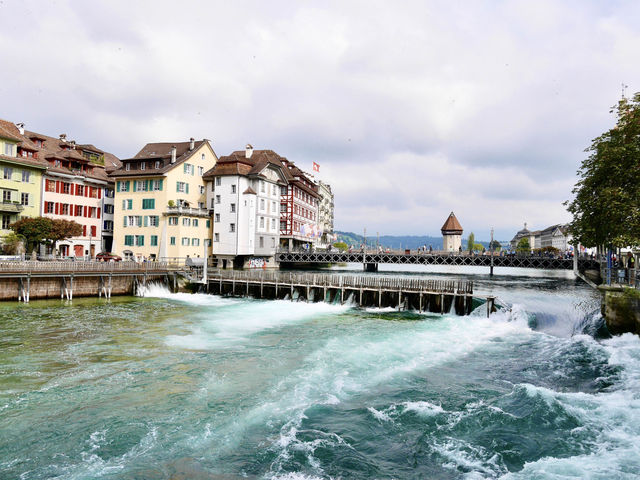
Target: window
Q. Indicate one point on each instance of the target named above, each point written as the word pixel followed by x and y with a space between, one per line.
pixel 108 225
pixel 8 149
pixel 127 166
pixel 233 189
pixel 262 186
pixel 143 166
pixel 201 205
pixel 157 185
pixel 153 241
pixel 273 224
pixel 26 176
pixel 80 190
pixel 24 200
pixel 182 187
pixel 157 164
pixel 127 204
pixel 273 207
pixel 233 208
pixel 154 220
pixel 188 169
pixel 48 207
pixel 212 203
pixel 78 210
pixel 208 223
pixel 64 210
pixel 202 156
pixel 50 186
pixel 207 242
pixel 232 227
pixel 108 208
pixel 123 186
pixel 217 198
pixel 8 171
pixel 172 240
pixel 217 218
pixel 6 221
pixel 273 242
pixel 201 169
pixel 148 203
pixel 262 204
pixel 140 186
pixel 216 237
pixel 93 230
pixel 128 240
pixel 185 242
pixel 186 222
pixel 66 188
pixel 173 220
pixel 218 181
pixel 195 242
pixel 194 222
pixel 261 242
pixel 140 240
pixel 201 189
pixel 261 222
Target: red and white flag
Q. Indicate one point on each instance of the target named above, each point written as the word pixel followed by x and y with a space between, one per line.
pixel 316 167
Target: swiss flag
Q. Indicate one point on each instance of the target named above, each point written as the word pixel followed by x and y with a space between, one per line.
pixel 316 167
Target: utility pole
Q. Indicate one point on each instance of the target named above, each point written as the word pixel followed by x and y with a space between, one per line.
pixel 491 251
pixel 364 250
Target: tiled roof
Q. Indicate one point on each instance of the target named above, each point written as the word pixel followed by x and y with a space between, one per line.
pixel 31 162
pixel 157 151
pixel 452 225
pixel 9 131
pixel 249 191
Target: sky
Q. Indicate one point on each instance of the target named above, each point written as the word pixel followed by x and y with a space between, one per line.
pixel 411 109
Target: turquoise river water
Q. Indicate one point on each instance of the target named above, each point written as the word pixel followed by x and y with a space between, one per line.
pixel 179 386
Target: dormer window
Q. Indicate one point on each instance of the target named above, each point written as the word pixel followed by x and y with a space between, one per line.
pixel 127 166
pixel 157 164
pixel 142 165
pixel 58 163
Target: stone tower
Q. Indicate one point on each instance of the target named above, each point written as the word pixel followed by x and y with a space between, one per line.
pixel 451 234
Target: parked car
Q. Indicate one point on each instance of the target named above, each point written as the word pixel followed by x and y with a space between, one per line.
pixel 108 257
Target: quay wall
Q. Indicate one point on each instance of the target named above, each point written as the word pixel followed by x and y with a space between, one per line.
pixel 83 286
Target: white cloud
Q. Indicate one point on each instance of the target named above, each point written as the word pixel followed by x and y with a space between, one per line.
pixel 499 98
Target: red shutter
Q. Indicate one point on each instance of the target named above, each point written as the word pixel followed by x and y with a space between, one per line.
pixel 56 208
pixel 99 194
pixel 84 211
pixel 86 191
pixel 57 186
pixel 84 230
pixel 93 230
pixel 98 213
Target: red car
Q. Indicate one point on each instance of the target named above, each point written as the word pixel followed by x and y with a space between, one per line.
pixel 108 257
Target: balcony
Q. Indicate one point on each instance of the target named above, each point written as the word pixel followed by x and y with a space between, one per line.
pixel 11 207
pixel 187 211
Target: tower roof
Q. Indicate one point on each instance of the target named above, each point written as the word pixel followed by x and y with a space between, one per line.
pixel 451 226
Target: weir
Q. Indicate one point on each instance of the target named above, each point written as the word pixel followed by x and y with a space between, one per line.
pixel 401 293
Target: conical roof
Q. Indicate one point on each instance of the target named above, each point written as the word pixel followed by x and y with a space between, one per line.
pixel 451 226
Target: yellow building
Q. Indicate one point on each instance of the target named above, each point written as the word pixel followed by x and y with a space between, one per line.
pixel 160 209
pixel 20 177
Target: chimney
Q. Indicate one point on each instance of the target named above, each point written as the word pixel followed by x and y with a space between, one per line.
pixel 173 154
pixel 63 137
pixel 192 143
pixel 20 128
pixel 73 144
pixel 248 151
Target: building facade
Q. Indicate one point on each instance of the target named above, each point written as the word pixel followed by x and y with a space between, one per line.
pixel 160 206
pixel 20 177
pixel 325 214
pixel 451 234
pixel 298 209
pixel 243 192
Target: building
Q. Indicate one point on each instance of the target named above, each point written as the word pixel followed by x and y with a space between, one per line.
pixel 160 203
pixel 244 191
pixel 298 209
pixel 21 176
pixel 451 234
pixel 325 214
pixel 528 234
pixel 561 238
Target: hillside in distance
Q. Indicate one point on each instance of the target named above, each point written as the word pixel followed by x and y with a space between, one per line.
pixel 398 241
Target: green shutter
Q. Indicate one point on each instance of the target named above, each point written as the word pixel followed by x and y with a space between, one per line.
pixel 152 203
pixel 178 187
pixel 187 187
pixel 125 221
pixel 118 186
pixel 148 183
pixel 146 221
pixel 130 202
pixel 160 184
pixel 128 184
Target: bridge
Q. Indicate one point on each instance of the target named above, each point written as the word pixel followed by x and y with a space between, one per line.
pixel 371 260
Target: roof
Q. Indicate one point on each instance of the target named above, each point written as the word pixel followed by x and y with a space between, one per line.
pixel 451 225
pixel 9 131
pixel 161 152
pixel 249 191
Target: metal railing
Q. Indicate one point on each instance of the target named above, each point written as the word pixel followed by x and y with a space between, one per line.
pixel 628 277
pixel 84 267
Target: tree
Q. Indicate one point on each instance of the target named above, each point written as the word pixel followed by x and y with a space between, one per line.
pixel 523 246
pixel 34 230
pixel 496 246
pixel 13 244
pixel 471 241
pixel 63 229
pixel 606 206
pixel 341 246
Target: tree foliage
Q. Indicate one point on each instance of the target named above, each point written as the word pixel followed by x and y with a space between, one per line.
pixel 45 230
pixel 523 246
pixel 341 246
pixel 606 206
pixel 12 244
pixel 496 246
pixel 471 241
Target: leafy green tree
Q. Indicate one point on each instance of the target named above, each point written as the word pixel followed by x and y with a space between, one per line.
pixel 34 230
pixel 523 246
pixel 12 244
pixel 471 241
pixel 606 206
pixel 340 246
pixel 63 229
pixel 496 246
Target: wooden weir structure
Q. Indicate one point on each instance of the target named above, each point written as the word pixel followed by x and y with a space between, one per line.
pixel 401 293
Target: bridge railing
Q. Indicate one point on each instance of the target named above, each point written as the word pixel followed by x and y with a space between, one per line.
pixel 84 267
pixel 344 281
pixel 629 277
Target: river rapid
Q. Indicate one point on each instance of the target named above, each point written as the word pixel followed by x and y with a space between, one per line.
pixel 180 386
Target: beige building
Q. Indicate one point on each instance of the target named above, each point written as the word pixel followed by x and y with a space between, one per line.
pixel 159 207
pixel 451 234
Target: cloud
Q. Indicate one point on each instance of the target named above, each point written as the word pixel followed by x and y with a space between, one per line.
pixel 412 111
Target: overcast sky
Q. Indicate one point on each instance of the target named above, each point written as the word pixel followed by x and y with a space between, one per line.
pixel 412 109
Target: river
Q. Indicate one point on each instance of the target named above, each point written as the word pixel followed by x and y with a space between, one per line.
pixel 180 386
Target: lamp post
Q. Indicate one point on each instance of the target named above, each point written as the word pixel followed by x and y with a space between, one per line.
pixel 491 251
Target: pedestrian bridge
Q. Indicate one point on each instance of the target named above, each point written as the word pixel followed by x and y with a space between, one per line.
pixel 371 260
